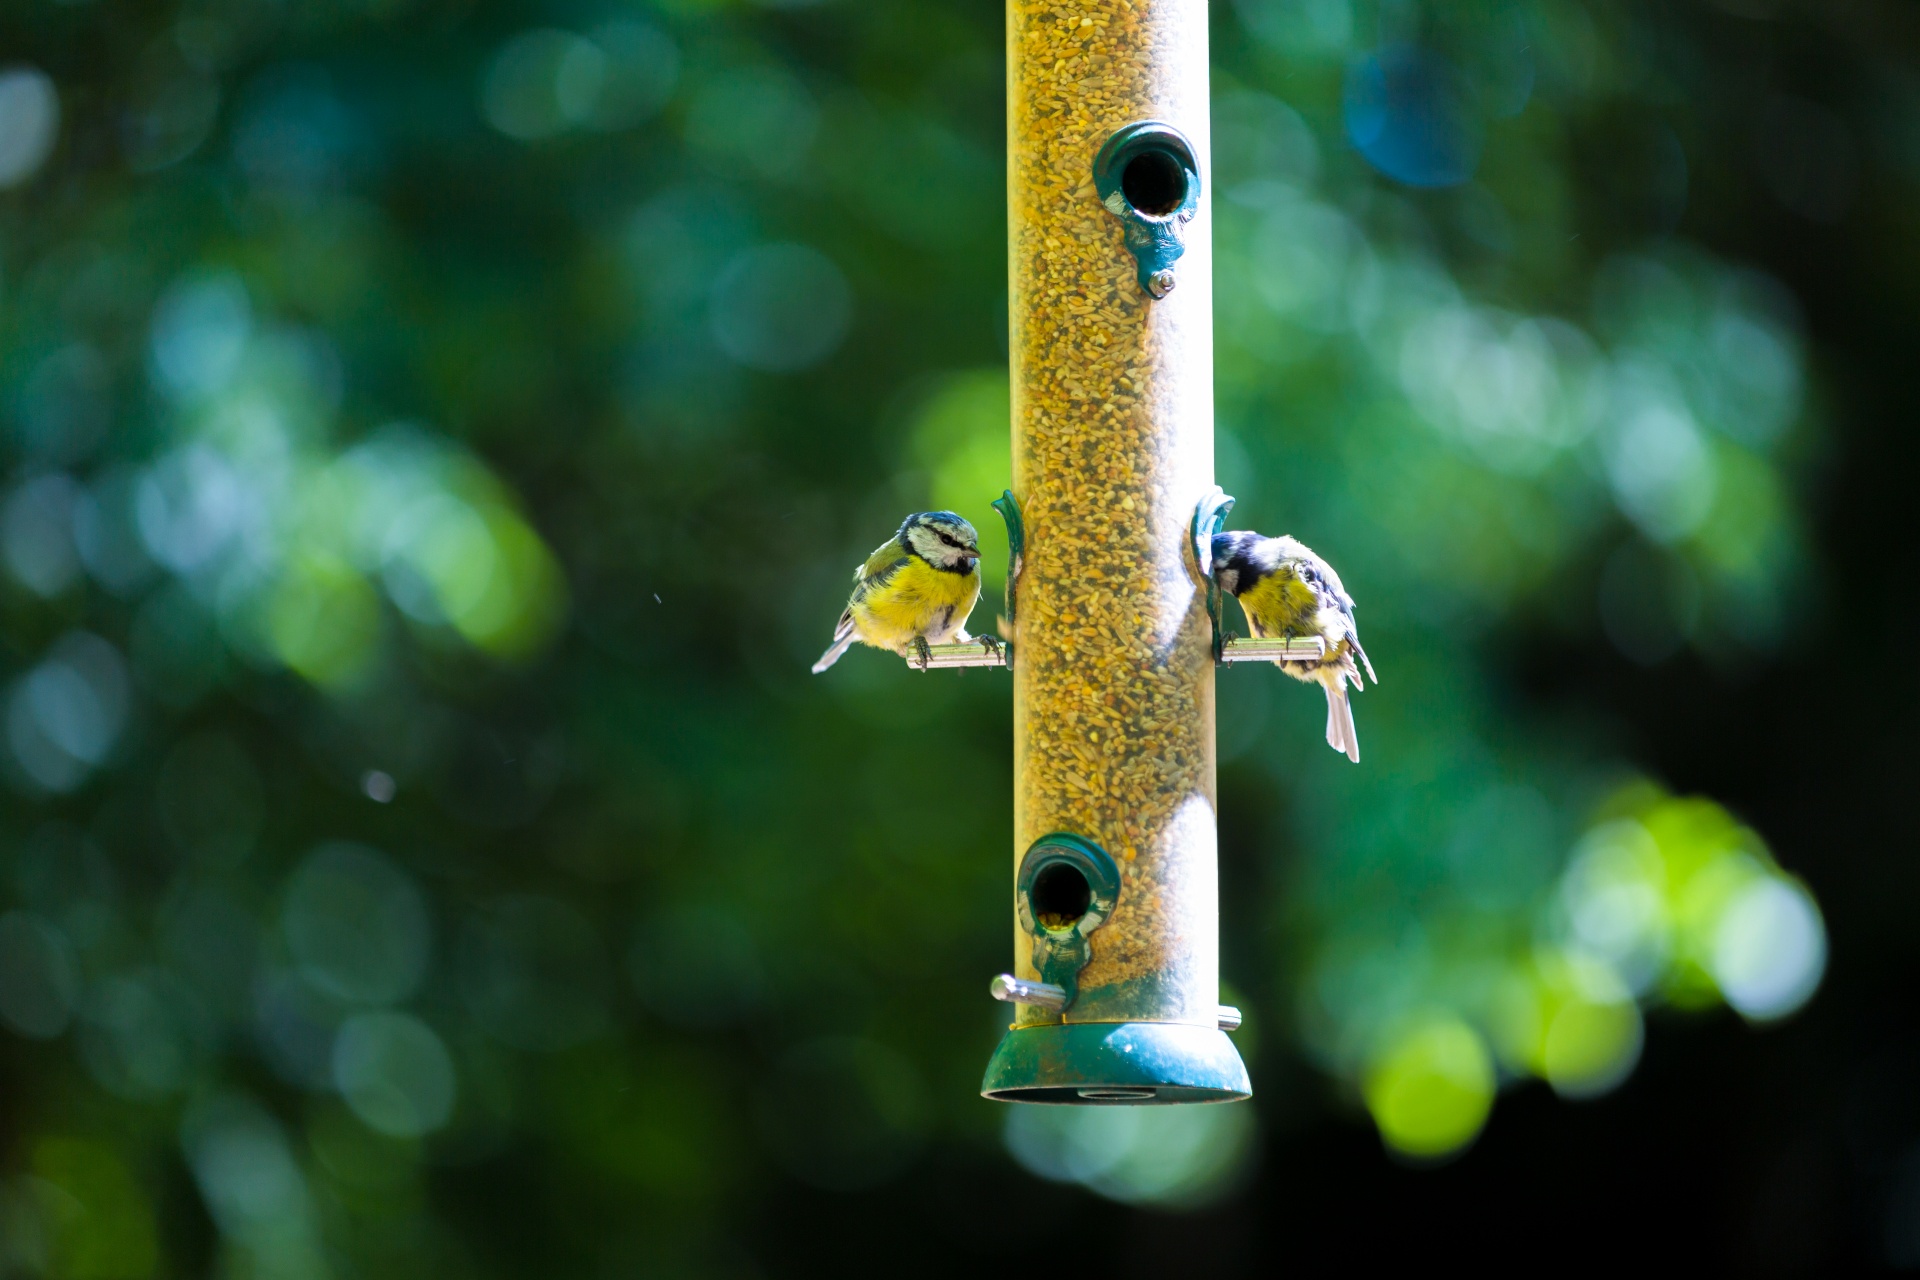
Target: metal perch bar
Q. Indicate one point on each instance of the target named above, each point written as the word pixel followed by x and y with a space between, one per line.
pixel 1044 995
pixel 975 654
pixel 1292 649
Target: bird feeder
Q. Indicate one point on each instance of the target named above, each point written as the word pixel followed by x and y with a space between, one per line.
pixel 1111 604
pixel 1116 977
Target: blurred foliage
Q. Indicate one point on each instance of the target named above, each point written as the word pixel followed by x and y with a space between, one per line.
pixel 437 435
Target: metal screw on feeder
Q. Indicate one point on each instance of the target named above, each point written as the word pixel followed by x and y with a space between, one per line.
pixel 1116 975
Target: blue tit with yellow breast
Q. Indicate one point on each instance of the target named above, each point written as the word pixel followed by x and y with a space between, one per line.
pixel 914 591
pixel 1287 591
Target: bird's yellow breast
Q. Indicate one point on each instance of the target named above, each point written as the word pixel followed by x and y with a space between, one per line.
pixel 1280 604
pixel 912 600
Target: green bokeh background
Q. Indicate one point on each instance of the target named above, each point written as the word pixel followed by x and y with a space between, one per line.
pixel 437 433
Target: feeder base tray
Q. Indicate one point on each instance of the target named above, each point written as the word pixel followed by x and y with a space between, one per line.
pixel 1116 1064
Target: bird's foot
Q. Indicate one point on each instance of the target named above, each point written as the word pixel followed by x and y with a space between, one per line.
pixel 923 651
pixel 993 646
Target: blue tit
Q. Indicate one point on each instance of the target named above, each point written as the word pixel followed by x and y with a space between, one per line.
pixel 1286 590
pixel 914 591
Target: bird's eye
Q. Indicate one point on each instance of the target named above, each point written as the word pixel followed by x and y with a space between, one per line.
pixel 949 541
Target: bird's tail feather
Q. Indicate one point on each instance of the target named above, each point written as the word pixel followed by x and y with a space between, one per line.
pixel 843 638
pixel 1340 732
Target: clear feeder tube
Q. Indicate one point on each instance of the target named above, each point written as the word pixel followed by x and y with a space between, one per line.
pixel 1112 450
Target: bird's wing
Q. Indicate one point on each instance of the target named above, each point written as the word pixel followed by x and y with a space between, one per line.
pixel 1353 646
pixel 886 557
pixel 1340 602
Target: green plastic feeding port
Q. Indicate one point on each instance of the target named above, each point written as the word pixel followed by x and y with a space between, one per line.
pixel 1066 888
pixel 1146 176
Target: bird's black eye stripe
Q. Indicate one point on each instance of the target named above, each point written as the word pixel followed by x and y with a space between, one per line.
pixel 949 541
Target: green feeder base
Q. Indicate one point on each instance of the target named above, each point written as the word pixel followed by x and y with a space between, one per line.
pixel 1116 1063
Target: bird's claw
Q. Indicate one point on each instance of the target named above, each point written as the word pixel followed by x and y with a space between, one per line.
pixel 993 646
pixel 924 652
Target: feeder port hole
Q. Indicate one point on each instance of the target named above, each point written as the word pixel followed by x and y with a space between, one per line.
pixel 1154 183
pixel 1060 896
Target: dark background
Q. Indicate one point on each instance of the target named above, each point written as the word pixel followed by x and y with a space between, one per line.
pixel 444 428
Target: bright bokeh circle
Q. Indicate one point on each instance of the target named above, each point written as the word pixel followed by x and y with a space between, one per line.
pixel 1431 1089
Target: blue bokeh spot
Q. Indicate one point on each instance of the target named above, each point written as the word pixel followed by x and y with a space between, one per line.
pixel 1408 113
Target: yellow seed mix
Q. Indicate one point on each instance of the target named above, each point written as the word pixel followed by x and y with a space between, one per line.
pixel 1113 447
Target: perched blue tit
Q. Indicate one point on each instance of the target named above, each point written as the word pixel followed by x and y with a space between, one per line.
pixel 1286 590
pixel 914 591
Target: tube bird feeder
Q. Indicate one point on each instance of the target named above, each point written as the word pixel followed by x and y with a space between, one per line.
pixel 1116 934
